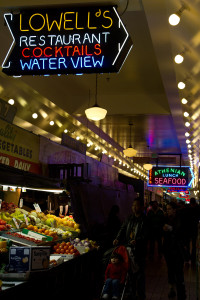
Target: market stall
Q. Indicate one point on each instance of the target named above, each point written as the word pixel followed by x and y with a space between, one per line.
pixel 40 248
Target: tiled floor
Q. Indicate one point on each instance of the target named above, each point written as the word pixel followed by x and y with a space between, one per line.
pixel 156 280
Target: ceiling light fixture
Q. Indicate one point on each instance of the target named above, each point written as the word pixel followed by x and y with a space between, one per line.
pixel 95 113
pixel 187 134
pixel 178 58
pixel 187 124
pixel 181 85
pixel 51 123
pixel 186 114
pixel 65 131
pixel 130 152
pixel 148 166
pixel 34 115
pixel 174 19
pixel 184 101
pixel 11 101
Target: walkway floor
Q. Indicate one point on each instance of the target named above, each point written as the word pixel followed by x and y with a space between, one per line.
pixel 157 285
pixel 156 280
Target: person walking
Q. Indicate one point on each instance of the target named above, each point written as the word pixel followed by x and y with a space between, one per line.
pixel 193 218
pixel 133 235
pixel 112 226
pixel 173 250
pixel 155 218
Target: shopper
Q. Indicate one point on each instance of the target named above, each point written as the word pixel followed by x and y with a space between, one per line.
pixel 155 218
pixel 115 275
pixel 173 249
pixel 193 221
pixel 112 226
pixel 133 234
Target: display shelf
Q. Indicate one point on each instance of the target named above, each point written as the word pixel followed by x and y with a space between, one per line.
pixel 18 241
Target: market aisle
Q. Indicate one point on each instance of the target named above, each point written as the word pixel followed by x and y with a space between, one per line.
pixel 156 280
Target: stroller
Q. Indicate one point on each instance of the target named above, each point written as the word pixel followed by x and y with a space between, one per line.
pixel 124 253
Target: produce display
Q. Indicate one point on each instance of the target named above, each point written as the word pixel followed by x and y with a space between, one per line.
pixel 22 228
pixel 65 248
pixel 51 225
pixel 3 246
pixel 25 237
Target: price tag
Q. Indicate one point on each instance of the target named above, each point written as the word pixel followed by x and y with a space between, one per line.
pixel 37 207
pixel 26 220
pixel 16 224
pixel 21 203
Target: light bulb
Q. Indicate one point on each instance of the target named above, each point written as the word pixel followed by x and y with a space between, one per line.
pixel 51 123
pixel 11 101
pixel 181 85
pixel 187 134
pixel 179 58
pixel 187 124
pixel 174 19
pixel 187 141
pixel 186 114
pixel 184 101
pixel 34 115
pixel 65 131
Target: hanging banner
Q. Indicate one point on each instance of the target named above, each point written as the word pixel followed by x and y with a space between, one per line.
pixel 72 40
pixel 170 176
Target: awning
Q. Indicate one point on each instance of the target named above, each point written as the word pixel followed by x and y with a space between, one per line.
pixel 12 176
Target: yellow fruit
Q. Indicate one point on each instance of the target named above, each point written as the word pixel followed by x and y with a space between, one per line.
pixel 76 226
pixel 78 230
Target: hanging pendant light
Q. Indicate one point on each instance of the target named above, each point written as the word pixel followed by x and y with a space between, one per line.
pixel 95 113
pixel 130 152
pixel 148 166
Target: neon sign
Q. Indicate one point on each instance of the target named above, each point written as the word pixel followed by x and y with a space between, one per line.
pixel 170 176
pixel 66 41
pixel 176 190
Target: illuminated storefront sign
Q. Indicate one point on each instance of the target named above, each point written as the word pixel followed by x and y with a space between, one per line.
pixel 71 40
pixel 170 176
pixel 176 190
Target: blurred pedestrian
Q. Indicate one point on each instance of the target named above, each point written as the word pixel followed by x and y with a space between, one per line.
pixel 113 225
pixel 155 219
pixel 133 234
pixel 193 217
pixel 173 249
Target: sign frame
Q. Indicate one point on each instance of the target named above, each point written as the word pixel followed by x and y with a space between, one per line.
pixel 43 50
pixel 168 185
